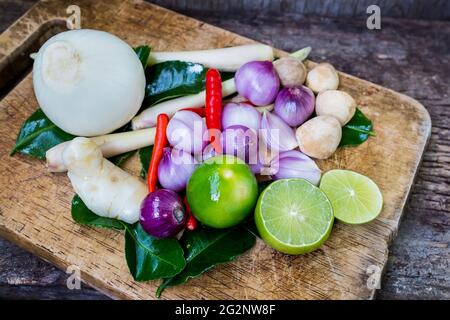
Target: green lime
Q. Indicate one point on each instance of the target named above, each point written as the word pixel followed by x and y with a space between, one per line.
pixel 294 216
pixel 355 198
pixel 222 191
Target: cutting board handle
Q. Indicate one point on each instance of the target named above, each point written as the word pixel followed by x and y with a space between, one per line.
pixel 24 37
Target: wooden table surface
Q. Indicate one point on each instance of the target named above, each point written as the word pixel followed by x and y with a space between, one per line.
pixel 409 56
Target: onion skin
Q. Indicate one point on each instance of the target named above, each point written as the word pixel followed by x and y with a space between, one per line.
pixel 295 105
pixel 208 152
pixel 241 142
pixel 242 114
pixel 294 164
pixel 277 134
pixel 258 82
pixel 186 131
pixel 162 214
pixel 257 162
pixel 175 169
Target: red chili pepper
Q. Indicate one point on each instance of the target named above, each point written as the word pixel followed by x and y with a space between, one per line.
pixel 213 106
pixel 191 223
pixel 160 143
pixel 199 111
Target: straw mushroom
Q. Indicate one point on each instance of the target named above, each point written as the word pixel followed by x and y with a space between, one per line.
pixel 291 71
pixel 336 103
pixel 319 137
pixel 322 77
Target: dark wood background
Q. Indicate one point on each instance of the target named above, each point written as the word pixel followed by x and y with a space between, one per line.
pixel 410 55
pixel 412 9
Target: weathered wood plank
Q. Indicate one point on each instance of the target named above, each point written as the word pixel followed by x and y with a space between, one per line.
pixel 411 57
pixel 11 10
pixel 24 276
pixel 412 9
pixel 401 279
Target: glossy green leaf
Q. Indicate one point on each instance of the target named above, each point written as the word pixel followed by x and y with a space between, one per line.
pixel 145 154
pixel 149 258
pixel 263 185
pixel 120 159
pixel 226 75
pixel 171 79
pixel 143 52
pixel 82 215
pixel 250 226
pixel 37 135
pixel 357 130
pixel 206 247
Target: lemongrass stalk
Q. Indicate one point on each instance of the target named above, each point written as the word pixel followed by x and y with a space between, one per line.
pixel 147 118
pixel 110 145
pixel 223 59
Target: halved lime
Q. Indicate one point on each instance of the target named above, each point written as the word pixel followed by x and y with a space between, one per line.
pixel 293 216
pixel 355 198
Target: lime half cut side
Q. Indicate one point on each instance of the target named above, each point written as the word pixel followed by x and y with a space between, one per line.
pixel 293 216
pixel 355 198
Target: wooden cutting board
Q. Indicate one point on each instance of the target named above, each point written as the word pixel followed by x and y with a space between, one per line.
pixel 35 204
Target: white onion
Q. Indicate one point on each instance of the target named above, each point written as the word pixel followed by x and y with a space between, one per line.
pixel 88 82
